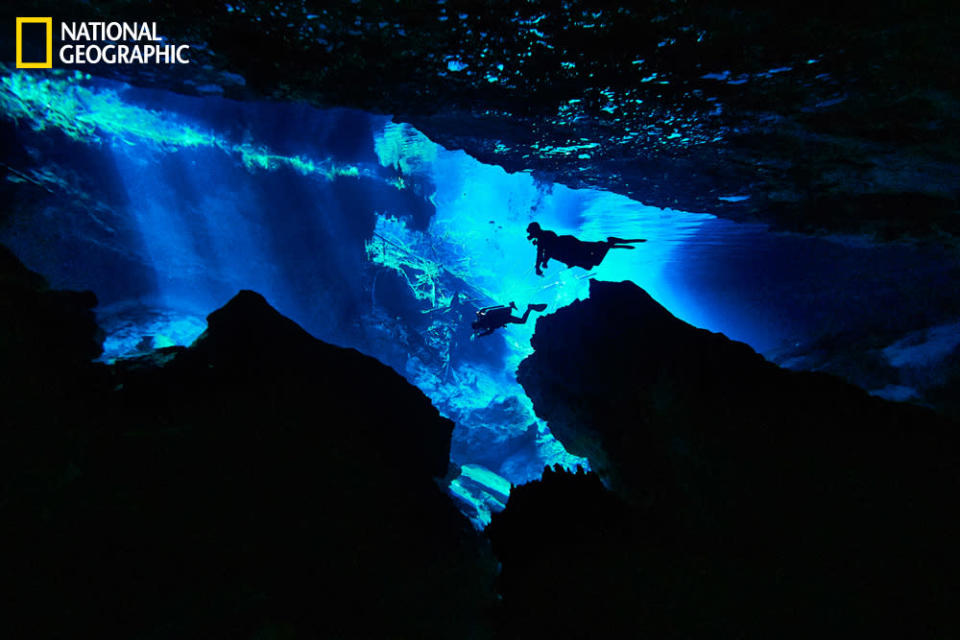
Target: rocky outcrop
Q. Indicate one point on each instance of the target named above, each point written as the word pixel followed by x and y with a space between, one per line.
pixel 782 502
pixel 43 324
pixel 570 554
pixel 259 483
pixel 47 340
pixel 814 118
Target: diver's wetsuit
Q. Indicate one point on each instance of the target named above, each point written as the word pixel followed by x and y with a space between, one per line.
pixel 572 251
pixel 490 319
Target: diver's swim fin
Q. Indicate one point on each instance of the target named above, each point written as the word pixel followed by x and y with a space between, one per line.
pixel 538 307
pixel 615 240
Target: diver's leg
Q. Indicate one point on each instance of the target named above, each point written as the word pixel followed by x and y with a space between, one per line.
pixel 521 320
pixel 526 314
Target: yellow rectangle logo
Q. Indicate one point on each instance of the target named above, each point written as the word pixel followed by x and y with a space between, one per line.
pixel 48 62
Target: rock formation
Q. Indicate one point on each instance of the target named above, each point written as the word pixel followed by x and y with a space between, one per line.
pixel 259 483
pixel 779 502
pixel 814 118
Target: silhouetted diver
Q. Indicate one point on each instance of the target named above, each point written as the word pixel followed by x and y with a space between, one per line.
pixel 570 250
pixel 490 319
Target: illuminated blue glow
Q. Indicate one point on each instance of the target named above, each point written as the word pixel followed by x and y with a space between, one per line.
pixel 478 236
pixel 478 232
pixel 139 329
pixel 213 212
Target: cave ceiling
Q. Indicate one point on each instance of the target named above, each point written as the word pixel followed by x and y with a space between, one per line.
pixel 823 118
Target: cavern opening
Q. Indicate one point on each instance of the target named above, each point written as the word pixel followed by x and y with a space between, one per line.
pixel 486 319
pixel 363 230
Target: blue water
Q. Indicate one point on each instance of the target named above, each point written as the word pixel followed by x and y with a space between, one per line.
pixel 362 230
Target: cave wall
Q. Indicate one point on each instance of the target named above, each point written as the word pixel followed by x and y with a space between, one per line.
pixel 242 487
pixel 744 500
pixel 813 118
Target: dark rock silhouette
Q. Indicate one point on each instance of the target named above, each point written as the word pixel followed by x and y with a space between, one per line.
pixel 567 548
pixel 41 324
pixel 784 503
pixel 259 483
pixel 47 341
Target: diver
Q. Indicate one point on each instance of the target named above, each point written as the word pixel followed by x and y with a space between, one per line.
pixel 490 319
pixel 570 250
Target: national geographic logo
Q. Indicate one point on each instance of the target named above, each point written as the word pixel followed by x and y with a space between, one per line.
pixel 31 23
pixel 92 43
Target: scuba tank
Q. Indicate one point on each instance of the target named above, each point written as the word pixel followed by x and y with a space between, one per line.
pixel 495 316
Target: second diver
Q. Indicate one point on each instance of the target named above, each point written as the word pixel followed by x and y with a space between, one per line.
pixel 489 319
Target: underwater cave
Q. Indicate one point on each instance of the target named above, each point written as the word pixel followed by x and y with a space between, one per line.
pixel 273 420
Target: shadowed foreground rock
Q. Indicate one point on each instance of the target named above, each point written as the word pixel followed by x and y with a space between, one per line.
pixel 260 483
pixel 763 502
